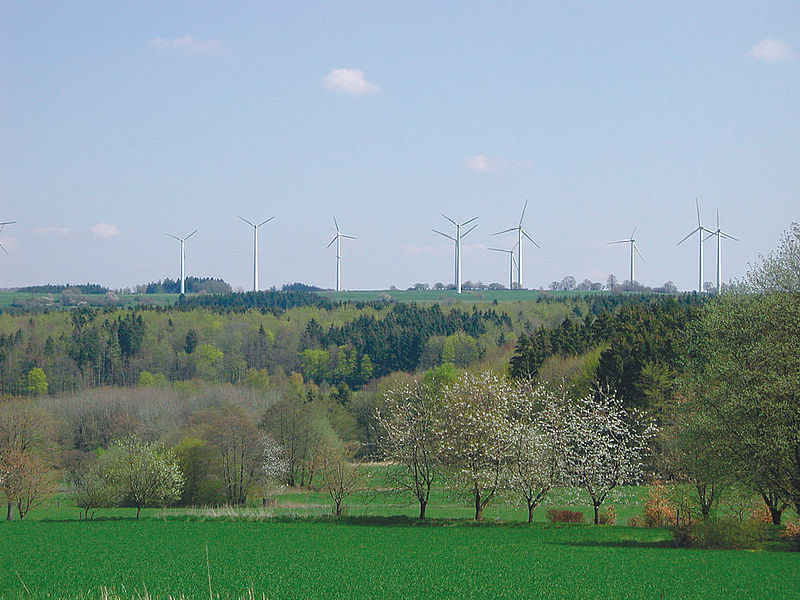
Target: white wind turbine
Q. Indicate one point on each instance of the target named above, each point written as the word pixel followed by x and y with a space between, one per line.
pixel 634 248
pixel 520 233
pixel 338 239
pixel 511 264
pixel 2 225
pixel 700 230
pixel 255 248
pixel 720 234
pixel 457 241
pixel 182 240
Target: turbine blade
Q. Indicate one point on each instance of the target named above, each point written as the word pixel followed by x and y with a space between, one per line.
pixel 501 250
pixel 506 231
pixel 174 237
pixel 337 224
pixel 710 235
pixel 190 235
pixel 449 237
pixel 635 247
pixel 634 230
pixel 688 236
pixel 468 222
pixel 697 205
pixel 525 233
pixel 265 221
pixel 620 242
pixel 4 248
pixel 7 222
pixel 246 221
pixel 349 237
pixel 449 219
pixel 522 216
pixel 468 230
pixel 333 240
pixel 717 218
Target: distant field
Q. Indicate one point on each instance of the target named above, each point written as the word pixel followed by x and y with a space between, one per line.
pixel 10 299
pixel 452 296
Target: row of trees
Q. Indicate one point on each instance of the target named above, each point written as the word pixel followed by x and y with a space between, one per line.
pixel 485 433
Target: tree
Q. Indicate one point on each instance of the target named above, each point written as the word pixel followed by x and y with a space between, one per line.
pixel 537 444
pixel 474 437
pixel 93 489
pixel 336 474
pixel 144 473
pixel 35 383
pixel 25 479
pixel 605 445
pixel 747 360
pixel 408 440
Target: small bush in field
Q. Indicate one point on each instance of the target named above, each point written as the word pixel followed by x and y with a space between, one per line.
pixel 725 533
pixel 636 521
pixel 791 532
pixel 658 510
pixel 608 516
pixel 564 516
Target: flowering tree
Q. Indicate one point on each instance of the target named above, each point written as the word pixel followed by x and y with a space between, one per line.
pixel 143 472
pixel 409 440
pixel 538 443
pixel 605 445
pixel 25 479
pixel 474 436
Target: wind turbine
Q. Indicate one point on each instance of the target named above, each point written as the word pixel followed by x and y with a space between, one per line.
pixel 255 248
pixel 699 231
pixel 720 234
pixel 457 241
pixel 182 240
pixel 2 225
pixel 520 233
pixel 634 248
pixel 338 239
pixel 511 264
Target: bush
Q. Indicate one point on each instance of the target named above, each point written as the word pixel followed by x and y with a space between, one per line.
pixel 636 521
pixel 658 510
pixel 725 533
pixel 564 516
pixel 791 532
pixel 607 516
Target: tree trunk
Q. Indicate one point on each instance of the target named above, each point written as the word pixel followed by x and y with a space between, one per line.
pixel 423 504
pixel 138 510
pixel 596 514
pixel 338 507
pixel 531 506
pixel 9 512
pixel 478 507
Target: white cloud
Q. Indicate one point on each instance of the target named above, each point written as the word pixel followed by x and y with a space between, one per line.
pixel 771 50
pixel 485 164
pixel 104 230
pixel 53 230
pixel 189 45
pixel 349 81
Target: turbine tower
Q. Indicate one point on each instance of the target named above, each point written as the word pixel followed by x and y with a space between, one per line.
pixel 255 248
pixel 634 248
pixel 2 225
pixel 511 264
pixel 338 239
pixel 457 241
pixel 182 240
pixel 720 234
pixel 700 230
pixel 520 233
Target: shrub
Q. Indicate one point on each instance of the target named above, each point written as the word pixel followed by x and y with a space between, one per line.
pixel 725 533
pixel 658 510
pixel 636 521
pixel 564 516
pixel 791 532
pixel 762 515
pixel 608 516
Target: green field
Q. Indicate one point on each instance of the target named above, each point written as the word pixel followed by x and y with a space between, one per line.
pixel 450 295
pixel 370 558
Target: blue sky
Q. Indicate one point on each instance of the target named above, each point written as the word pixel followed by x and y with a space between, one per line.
pixel 120 122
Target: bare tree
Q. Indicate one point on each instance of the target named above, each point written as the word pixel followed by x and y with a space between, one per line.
pixel 25 479
pixel 336 473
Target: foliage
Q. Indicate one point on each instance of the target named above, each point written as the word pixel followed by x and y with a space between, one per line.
pixel 723 533
pixel 336 473
pixel 35 383
pixel 144 473
pixel 25 479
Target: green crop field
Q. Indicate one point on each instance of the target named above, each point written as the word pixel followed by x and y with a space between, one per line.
pixel 372 558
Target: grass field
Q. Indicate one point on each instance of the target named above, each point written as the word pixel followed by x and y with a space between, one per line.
pixel 373 558
pixel 297 550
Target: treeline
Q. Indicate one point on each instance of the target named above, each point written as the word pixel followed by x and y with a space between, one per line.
pixel 192 285
pixel 51 288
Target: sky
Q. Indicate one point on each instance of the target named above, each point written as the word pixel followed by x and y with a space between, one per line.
pixel 121 122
